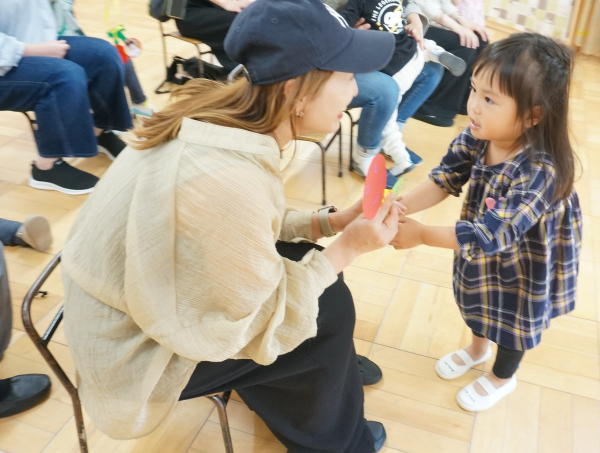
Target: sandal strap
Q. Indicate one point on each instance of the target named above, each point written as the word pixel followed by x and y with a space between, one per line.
pixel 486 385
pixel 466 358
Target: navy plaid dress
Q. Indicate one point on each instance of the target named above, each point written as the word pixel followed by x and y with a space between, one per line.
pixel 518 261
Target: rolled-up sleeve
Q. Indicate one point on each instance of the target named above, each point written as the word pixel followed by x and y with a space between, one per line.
pixel 296 224
pixel 11 52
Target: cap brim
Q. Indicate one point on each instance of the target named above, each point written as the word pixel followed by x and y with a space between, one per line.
pixel 367 51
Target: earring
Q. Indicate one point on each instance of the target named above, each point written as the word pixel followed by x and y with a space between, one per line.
pixel 300 114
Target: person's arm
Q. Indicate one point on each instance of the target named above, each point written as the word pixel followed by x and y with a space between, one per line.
pixel 426 195
pixel 11 52
pixel 352 12
pixel 506 222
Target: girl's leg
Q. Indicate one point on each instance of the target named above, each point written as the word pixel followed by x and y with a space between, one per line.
pixel 425 83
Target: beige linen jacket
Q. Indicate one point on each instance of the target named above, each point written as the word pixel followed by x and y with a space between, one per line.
pixel 172 261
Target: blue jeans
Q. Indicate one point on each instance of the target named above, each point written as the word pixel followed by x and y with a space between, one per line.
pixel 133 84
pixel 378 96
pixel 62 91
pixel 8 231
pixel 425 84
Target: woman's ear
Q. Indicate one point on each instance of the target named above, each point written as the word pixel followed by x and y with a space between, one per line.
pixel 288 87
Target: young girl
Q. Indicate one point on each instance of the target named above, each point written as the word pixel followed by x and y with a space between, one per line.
pixel 518 241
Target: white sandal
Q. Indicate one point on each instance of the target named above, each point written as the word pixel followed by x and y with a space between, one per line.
pixel 470 400
pixel 446 368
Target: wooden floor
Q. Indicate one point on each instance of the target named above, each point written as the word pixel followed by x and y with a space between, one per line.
pixel 406 315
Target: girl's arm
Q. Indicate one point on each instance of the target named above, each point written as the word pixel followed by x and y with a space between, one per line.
pixel 428 194
pixel 412 233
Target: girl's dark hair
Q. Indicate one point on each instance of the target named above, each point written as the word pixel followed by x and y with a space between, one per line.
pixel 536 72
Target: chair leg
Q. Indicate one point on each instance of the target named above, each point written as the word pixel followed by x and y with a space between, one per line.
pixel 221 408
pixel 80 427
pixel 323 171
pixel 32 123
pixel 340 153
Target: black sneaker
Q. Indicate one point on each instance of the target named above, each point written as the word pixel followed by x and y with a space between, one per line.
pixel 63 178
pixel 434 120
pixel 370 373
pixel 110 144
pixel 378 433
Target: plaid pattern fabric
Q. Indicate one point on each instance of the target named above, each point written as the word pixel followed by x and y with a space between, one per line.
pixel 518 263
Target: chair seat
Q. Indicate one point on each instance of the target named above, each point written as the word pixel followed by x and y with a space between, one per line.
pixel 177 35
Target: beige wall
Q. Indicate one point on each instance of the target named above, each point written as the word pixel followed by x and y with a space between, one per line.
pixel 549 17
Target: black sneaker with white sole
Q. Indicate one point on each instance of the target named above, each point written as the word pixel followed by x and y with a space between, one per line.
pixel 110 144
pixel 62 177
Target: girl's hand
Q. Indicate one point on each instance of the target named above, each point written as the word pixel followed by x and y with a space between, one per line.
pixel 235 6
pixel 410 234
pixel 468 38
pixel 362 235
pixel 414 28
pixel 361 25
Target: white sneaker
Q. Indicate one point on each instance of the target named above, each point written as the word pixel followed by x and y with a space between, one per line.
pixel 472 401
pixel 401 158
pixel 361 160
pixel 144 109
pixel 447 368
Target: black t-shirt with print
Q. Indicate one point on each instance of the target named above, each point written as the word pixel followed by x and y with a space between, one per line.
pixel 384 15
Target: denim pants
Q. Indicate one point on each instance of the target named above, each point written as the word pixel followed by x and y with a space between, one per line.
pixel 8 232
pixel 425 84
pixel 133 84
pixel 62 91
pixel 378 96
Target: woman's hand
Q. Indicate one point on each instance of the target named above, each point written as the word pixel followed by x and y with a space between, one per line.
pixel 362 235
pixel 414 28
pixel 340 220
pixel 410 234
pixel 480 29
pixel 235 6
pixel 468 38
pixel 55 49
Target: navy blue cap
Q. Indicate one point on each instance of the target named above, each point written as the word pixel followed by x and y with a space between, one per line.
pixel 281 39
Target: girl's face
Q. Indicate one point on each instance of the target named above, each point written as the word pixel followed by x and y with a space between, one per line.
pixel 323 112
pixel 492 114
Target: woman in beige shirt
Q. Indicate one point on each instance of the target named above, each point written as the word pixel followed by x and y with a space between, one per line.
pixel 183 272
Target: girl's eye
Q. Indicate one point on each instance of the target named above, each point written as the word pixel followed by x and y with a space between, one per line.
pixel 489 101
pixel 472 88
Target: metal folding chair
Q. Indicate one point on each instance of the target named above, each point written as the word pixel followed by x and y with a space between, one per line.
pixel 319 140
pixel 176 35
pixel 41 343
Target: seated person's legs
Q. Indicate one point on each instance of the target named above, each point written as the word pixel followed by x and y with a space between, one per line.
pixel 209 23
pixel 18 393
pixel 33 232
pixel 57 90
pixel 377 95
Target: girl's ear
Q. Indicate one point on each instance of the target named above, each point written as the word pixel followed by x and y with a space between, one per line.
pixel 534 117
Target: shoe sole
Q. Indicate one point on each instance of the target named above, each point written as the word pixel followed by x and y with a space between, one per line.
pixel 455 65
pixel 36 233
pixel 50 186
pixel 106 152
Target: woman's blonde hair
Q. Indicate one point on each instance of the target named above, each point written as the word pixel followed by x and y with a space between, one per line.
pixel 255 108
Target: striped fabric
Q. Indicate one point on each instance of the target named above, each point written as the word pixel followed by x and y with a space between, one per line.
pixel 518 263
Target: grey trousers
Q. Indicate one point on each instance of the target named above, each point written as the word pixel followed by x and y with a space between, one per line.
pixel 5 305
